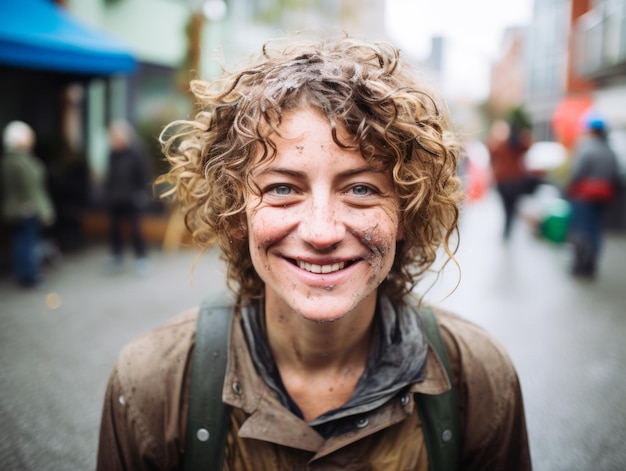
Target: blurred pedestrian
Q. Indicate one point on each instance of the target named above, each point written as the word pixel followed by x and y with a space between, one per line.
pixel 327 174
pixel 508 143
pixel 127 191
pixel 26 204
pixel 592 186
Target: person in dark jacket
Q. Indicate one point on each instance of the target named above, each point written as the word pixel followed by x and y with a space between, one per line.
pixel 26 203
pixel 127 195
pixel 592 185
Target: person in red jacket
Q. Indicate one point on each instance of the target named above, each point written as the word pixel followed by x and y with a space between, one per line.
pixel 507 146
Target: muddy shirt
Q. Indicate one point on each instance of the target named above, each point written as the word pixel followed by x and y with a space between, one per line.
pixel 144 416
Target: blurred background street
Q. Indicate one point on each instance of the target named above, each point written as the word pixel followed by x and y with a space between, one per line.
pixel 71 68
pixel 58 344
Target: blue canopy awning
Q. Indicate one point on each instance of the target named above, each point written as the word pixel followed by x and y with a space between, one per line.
pixel 37 34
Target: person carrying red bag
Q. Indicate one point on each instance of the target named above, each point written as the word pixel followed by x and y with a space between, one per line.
pixel 592 185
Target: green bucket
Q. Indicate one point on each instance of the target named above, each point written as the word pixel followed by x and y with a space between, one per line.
pixel 556 222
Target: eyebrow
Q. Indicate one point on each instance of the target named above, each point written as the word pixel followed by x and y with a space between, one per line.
pixel 282 171
pixel 299 174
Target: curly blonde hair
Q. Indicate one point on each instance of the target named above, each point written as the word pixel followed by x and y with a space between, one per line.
pixel 364 87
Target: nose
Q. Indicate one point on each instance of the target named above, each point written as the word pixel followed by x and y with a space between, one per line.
pixel 320 225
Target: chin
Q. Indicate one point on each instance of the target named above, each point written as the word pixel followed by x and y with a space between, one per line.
pixel 322 310
pixel 326 318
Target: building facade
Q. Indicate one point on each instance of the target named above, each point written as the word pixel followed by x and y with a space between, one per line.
pixel 577 56
pixel 508 74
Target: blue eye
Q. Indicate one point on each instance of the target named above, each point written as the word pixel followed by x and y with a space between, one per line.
pixel 361 190
pixel 282 190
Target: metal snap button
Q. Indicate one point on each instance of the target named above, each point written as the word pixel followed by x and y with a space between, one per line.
pixel 237 389
pixel 203 434
pixel 362 422
pixel 446 436
pixel 404 400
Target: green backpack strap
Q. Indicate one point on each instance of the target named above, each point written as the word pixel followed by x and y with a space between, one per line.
pixel 439 413
pixel 208 418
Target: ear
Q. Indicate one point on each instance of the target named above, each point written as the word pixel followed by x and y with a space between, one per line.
pixel 240 231
pixel 400 232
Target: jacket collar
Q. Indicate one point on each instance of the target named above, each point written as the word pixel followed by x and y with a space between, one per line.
pixel 244 388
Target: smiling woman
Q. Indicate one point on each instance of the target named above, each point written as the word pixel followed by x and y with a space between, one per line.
pixel 326 172
pixel 324 228
pixel 373 104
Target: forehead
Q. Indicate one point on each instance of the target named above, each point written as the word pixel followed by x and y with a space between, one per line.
pixel 304 136
pixel 309 130
pixel 311 123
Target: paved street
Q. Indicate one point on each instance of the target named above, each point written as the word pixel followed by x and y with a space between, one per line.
pixel 58 345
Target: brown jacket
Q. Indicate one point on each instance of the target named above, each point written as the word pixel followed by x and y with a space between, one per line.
pixel 144 416
pixel 507 162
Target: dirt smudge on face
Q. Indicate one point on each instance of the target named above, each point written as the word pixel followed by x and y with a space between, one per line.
pixel 378 249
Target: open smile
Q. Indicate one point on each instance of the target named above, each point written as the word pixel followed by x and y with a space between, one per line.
pixel 321 269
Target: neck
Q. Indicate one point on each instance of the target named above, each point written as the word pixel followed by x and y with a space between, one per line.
pixel 320 363
pixel 305 345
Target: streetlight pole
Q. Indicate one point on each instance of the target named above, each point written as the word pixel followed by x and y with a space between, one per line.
pixel 202 11
pixel 196 24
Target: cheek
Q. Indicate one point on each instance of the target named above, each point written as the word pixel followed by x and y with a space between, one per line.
pixel 382 224
pixel 380 243
pixel 380 240
pixel 380 235
pixel 264 228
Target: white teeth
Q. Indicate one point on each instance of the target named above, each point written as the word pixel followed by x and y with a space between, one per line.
pixel 313 268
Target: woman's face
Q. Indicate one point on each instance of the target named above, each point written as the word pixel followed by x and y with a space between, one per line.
pixel 323 232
